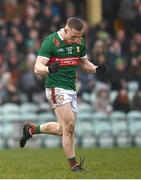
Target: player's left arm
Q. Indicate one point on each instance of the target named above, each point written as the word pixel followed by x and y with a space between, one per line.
pixel 89 67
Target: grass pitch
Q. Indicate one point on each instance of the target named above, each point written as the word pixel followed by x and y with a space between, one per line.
pixel 51 163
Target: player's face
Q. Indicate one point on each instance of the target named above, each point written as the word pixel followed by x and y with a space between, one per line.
pixel 73 36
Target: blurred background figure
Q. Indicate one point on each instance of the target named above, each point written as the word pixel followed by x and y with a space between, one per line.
pixel 121 103
pixel 136 101
pixel 102 102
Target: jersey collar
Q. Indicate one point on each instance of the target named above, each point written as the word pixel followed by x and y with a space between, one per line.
pixel 59 34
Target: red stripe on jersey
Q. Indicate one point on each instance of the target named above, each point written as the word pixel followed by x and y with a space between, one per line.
pixel 53 95
pixel 67 61
pixel 56 42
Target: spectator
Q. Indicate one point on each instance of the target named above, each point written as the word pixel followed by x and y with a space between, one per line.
pixel 102 102
pixel 99 48
pixel 136 101
pixel 121 103
pixel 119 75
pixel 28 81
pixel 137 19
pixel 4 79
pixel 83 86
pixel 134 70
pixel 127 13
pixel 114 51
pixel 133 50
pixel 123 41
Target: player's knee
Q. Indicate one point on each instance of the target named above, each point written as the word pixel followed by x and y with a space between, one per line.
pixel 69 129
pixel 59 130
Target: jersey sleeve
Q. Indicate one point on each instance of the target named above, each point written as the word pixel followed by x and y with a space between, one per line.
pixel 46 48
pixel 83 52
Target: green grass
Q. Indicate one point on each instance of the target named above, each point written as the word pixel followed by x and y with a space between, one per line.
pixel 51 163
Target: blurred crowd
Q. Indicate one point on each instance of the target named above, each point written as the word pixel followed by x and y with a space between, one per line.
pixel 115 41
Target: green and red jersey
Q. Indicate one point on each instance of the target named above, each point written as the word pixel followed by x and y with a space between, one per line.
pixel 54 48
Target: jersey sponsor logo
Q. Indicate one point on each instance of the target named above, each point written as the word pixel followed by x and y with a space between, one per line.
pixel 69 61
pixel 56 42
pixel 60 50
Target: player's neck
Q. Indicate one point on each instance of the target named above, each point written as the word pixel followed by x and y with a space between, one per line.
pixel 61 34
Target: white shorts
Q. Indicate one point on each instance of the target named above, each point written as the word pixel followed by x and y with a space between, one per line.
pixel 60 96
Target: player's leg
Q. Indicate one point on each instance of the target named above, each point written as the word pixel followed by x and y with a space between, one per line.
pixel 30 129
pixel 67 120
pixel 53 128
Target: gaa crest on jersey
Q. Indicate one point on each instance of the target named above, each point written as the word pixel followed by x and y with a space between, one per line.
pixel 56 42
pixel 78 49
pixel 60 98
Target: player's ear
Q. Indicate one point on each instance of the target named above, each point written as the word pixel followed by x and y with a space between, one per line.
pixel 65 30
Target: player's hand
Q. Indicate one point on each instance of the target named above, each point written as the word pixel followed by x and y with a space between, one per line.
pixel 54 68
pixel 101 69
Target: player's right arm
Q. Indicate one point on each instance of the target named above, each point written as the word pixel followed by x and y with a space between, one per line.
pixel 40 66
pixel 43 57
